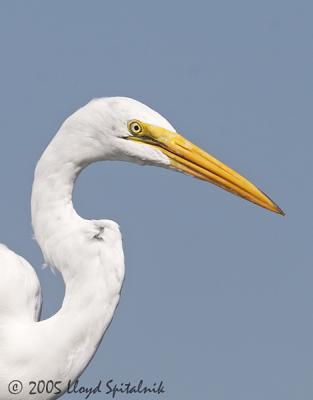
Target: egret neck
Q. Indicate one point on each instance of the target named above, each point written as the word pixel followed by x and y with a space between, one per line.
pixel 69 242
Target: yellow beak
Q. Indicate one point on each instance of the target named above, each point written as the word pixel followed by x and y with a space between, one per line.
pixel 187 157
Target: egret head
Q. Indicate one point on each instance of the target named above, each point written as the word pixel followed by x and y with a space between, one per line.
pixel 125 129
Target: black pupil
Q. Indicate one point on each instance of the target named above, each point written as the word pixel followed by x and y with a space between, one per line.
pixel 136 128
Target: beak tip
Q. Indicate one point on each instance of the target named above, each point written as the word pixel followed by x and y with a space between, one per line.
pixel 277 209
pixel 273 206
pixel 280 211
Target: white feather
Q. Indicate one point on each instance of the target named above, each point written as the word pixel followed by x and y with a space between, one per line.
pixel 88 254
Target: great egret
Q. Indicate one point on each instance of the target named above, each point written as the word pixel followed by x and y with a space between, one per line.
pixel 88 254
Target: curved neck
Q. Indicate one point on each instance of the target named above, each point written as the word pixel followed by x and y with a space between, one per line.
pixel 93 277
pixel 51 203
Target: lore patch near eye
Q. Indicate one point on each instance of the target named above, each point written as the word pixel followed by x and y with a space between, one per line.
pixel 134 127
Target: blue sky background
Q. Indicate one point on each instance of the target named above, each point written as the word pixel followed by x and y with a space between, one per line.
pixel 218 294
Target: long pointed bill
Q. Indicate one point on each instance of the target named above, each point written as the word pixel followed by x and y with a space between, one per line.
pixel 187 157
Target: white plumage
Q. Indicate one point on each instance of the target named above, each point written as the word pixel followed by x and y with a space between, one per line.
pixel 88 254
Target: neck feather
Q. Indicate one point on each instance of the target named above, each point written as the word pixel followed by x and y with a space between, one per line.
pixel 93 276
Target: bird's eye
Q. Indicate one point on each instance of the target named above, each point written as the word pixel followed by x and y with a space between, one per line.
pixel 134 127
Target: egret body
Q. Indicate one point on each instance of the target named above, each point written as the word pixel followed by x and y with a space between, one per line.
pixel 88 253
